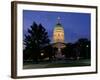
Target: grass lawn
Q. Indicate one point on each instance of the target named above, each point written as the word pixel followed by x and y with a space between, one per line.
pixel 70 64
pixel 59 63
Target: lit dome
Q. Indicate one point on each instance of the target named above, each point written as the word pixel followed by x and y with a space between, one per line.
pixel 58 34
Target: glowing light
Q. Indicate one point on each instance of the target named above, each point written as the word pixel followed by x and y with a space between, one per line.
pixel 58 34
pixel 42 54
pixel 87 46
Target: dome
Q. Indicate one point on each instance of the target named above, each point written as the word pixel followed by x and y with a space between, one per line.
pixel 58 27
pixel 58 34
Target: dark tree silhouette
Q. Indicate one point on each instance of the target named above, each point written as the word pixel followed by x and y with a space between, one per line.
pixel 80 49
pixel 48 51
pixel 35 40
pixel 85 48
pixel 68 50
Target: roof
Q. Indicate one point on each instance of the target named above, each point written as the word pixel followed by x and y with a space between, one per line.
pixel 58 26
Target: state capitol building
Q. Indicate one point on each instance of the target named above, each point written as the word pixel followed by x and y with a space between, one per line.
pixel 58 39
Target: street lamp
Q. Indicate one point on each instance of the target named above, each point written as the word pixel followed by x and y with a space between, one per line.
pixel 87 46
pixel 42 54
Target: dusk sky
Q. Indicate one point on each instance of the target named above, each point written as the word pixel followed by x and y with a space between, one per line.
pixel 76 25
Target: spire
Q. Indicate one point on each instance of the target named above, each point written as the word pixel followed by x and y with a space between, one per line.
pixel 58 20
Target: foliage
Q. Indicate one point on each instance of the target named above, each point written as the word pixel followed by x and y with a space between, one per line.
pixel 35 40
pixel 80 49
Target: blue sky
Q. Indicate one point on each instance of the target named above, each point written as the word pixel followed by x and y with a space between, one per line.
pixel 76 25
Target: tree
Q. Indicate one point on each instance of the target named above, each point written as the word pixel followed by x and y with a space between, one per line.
pixel 35 40
pixel 77 50
pixel 48 50
pixel 85 48
pixel 68 51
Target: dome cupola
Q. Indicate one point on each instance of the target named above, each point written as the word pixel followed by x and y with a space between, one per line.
pixel 58 33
